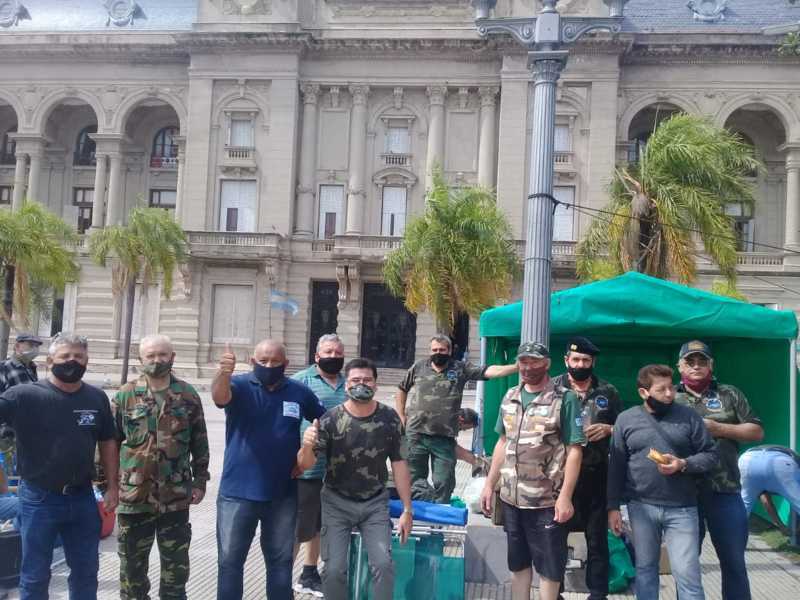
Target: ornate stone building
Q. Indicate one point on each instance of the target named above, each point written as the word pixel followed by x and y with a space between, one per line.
pixel 293 138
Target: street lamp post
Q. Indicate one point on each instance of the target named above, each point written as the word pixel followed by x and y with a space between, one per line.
pixel 546 37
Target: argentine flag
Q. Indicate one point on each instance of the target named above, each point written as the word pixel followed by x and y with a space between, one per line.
pixel 282 301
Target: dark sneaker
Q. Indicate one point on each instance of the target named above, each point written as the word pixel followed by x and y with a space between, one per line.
pixel 309 583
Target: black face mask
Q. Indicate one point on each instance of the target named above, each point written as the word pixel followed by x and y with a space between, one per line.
pixel 659 408
pixel 440 360
pixel 331 365
pixel 69 372
pixel 580 373
pixel 268 375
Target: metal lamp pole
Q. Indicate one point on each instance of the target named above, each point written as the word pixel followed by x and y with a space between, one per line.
pixel 546 37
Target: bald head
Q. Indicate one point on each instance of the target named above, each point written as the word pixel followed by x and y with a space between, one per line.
pixel 270 353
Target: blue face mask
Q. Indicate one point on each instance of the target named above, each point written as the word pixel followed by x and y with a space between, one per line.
pixel 268 375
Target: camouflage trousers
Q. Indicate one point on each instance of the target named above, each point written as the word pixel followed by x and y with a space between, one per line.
pixel 435 454
pixel 173 532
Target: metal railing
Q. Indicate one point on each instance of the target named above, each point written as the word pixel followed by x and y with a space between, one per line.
pixel 163 162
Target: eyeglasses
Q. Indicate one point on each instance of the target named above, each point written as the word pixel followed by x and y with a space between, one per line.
pixel 697 362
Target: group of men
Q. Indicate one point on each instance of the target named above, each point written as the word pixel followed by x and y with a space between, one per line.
pixel 563 441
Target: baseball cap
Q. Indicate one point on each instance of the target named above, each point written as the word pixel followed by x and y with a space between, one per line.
pixel 29 337
pixel 695 347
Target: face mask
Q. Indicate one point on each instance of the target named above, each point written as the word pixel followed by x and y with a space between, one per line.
pixel 659 408
pixel 440 360
pixel 580 373
pixel 331 365
pixel 697 386
pixel 68 372
pixel 361 393
pixel 157 369
pixel 28 356
pixel 268 375
pixel 533 376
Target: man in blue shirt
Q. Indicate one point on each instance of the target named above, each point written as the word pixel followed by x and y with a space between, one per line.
pixel 263 412
pixel 325 379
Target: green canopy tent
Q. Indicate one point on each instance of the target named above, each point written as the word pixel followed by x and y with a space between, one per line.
pixel 635 320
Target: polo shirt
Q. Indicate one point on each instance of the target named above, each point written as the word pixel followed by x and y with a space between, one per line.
pixel 262 437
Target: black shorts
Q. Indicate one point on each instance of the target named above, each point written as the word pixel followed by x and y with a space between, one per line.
pixel 534 537
pixel 309 514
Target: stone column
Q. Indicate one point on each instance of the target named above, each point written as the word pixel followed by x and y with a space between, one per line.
pixel 99 194
pixel 358 145
pixel 181 141
pixel 436 95
pixel 115 200
pixel 35 175
pixel 304 220
pixel 792 197
pixel 19 181
pixel 488 141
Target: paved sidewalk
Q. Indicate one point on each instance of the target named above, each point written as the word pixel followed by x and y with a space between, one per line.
pixel 772 576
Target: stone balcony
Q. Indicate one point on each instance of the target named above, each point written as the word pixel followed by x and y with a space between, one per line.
pixel 393 159
pixel 231 245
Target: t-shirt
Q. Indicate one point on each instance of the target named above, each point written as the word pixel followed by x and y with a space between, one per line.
pixel 357 449
pixel 262 437
pixel 723 404
pixel 569 417
pixel 329 396
pixel 434 398
pixel 57 431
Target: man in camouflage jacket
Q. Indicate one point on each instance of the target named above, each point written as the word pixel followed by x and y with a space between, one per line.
pixel 163 469
pixel 730 420
pixel 433 387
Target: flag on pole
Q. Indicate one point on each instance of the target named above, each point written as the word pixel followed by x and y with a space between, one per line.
pixel 282 301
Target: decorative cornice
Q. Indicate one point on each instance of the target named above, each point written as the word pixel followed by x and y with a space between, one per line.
pixel 700 53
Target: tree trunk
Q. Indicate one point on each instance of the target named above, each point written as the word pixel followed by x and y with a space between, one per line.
pixel 8 306
pixel 130 298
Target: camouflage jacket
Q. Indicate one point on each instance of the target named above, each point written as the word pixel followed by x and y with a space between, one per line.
pixel 156 472
pixel 434 398
pixel 533 469
pixel 604 406
pixel 356 449
pixel 724 404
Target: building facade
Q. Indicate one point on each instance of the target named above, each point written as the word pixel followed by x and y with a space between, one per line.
pixel 292 139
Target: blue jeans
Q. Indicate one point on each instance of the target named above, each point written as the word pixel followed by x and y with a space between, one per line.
pixel 8 508
pixel 769 471
pixel 680 530
pixel 44 515
pixel 236 526
pixel 726 519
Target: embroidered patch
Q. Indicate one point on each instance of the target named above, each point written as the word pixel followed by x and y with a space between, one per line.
pixel 579 421
pixel 291 409
pixel 713 403
pixel 601 402
pixel 85 418
pixel 452 375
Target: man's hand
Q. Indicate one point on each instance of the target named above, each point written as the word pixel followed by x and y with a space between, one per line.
pixel 712 426
pixel 674 465
pixel 487 499
pixel 597 432
pixel 311 434
pixel 296 471
pixel 564 510
pixel 615 522
pixel 111 498
pixel 197 495
pixel 227 362
pixel 404 526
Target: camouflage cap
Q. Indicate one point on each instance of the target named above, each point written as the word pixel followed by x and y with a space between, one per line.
pixel 695 347
pixel 534 350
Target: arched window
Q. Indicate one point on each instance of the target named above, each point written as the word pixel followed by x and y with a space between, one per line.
pixel 165 148
pixel 8 149
pixel 85 148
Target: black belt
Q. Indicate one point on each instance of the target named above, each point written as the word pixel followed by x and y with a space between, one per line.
pixel 70 489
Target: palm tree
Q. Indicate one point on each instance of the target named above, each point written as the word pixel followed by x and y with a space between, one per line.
pixel 688 173
pixel 35 250
pixel 150 243
pixel 456 257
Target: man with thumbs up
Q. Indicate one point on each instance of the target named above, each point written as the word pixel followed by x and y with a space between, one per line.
pixel 263 412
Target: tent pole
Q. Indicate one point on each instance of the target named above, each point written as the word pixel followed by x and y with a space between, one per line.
pixel 793 395
pixel 477 436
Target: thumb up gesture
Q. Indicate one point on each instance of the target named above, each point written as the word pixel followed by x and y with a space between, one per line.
pixel 227 362
pixel 311 435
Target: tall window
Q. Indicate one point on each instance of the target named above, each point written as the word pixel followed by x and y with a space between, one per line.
pixel 83 198
pixel 331 211
pixel 393 222
pixel 563 139
pixel 398 140
pixel 165 148
pixel 85 147
pixel 237 205
pixel 8 148
pixel 564 216
pixel 5 194
pixel 240 134
pixel 163 199
pixel 743 227
pixel 232 309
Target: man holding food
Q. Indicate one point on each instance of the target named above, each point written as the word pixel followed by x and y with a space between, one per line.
pixel 657 449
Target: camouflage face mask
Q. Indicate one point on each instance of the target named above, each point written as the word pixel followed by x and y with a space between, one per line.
pixel 361 393
pixel 157 369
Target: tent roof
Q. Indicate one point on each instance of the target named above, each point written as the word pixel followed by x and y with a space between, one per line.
pixel 639 306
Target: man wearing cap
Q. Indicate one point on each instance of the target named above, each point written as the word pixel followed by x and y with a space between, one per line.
pixel 599 407
pixel 730 420
pixel 20 368
pixel 537 460
pixel 433 387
